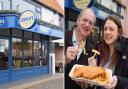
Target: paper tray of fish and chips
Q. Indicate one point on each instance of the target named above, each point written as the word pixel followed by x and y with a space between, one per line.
pixel 91 74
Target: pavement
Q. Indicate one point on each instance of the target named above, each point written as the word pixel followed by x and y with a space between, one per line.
pixel 32 81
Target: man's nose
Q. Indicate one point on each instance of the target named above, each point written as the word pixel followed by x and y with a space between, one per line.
pixel 87 23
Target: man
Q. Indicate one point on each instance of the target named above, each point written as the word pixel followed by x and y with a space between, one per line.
pixel 73 53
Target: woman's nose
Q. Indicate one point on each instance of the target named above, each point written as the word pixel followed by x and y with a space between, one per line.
pixel 107 31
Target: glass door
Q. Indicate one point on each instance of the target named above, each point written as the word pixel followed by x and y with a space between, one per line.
pixel 4 45
pixel 4 60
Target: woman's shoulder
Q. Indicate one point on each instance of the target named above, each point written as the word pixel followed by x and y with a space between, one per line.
pixel 122 45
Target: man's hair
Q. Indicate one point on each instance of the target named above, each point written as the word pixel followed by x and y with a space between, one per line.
pixel 83 10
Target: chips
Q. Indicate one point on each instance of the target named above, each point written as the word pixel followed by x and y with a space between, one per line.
pixel 96 52
pixel 82 46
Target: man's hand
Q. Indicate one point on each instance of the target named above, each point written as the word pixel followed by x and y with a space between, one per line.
pixel 113 83
pixel 83 84
pixel 71 53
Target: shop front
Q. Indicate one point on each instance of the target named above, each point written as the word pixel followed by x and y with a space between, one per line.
pixel 25 51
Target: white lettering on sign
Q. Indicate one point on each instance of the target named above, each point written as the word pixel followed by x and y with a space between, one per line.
pixel 27 19
pixel 1 21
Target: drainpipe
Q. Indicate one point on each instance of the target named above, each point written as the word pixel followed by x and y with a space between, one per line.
pixel 10 4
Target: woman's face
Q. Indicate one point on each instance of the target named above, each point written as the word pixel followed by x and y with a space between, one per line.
pixel 110 32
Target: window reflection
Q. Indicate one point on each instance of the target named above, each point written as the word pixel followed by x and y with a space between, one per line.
pixel 16 52
pixel 3 54
pixel 27 53
pixel 37 53
pixel 44 51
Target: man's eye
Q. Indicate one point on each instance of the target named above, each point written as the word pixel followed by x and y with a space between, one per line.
pixel 90 23
pixel 85 20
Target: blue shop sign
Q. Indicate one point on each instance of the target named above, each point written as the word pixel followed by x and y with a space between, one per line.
pixel 51 31
pixel 2 21
pixel 9 21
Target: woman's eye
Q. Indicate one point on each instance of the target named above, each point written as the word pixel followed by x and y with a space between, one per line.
pixel 105 29
pixel 111 29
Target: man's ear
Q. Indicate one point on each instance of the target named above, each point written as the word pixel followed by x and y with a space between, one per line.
pixel 92 30
pixel 77 21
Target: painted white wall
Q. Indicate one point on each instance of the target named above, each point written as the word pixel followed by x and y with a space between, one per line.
pixel 47 15
pixel 0 5
pixel 51 17
pixel 6 4
pixel 22 5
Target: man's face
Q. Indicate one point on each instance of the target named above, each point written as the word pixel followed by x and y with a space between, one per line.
pixel 85 23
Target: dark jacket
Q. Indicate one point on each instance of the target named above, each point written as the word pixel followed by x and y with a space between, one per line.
pixel 121 66
pixel 83 60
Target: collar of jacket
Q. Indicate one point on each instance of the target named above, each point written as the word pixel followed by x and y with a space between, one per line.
pixel 122 44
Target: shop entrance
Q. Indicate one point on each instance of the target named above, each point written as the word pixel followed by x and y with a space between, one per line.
pixel 4 59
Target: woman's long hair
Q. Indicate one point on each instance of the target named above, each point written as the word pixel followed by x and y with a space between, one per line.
pixel 105 47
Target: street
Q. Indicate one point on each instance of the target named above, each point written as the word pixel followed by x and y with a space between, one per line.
pixel 53 84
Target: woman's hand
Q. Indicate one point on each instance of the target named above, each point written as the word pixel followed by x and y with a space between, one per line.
pixel 113 83
pixel 92 61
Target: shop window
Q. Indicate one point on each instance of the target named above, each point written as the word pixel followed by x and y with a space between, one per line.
pixel 16 53
pixel 122 11
pixel 56 19
pixel 44 51
pixel 27 35
pixel 38 12
pixel 61 21
pixel 16 33
pixel 99 1
pixel 118 8
pixel 5 32
pixel 37 50
pixel 36 36
pixel 95 36
pixel 71 24
pixel 27 46
pixel 37 53
pixel 38 16
pixel 3 54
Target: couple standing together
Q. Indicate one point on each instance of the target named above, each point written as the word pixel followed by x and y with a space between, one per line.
pixel 113 49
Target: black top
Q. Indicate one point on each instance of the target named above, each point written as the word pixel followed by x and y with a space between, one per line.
pixel 83 60
pixel 121 68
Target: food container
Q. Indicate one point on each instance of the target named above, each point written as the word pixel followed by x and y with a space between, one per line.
pixel 91 82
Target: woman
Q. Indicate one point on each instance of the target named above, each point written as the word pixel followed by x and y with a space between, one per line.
pixel 114 55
